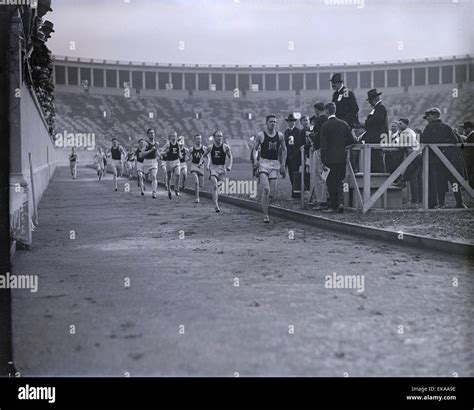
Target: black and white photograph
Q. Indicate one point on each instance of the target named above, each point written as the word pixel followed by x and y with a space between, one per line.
pixel 238 189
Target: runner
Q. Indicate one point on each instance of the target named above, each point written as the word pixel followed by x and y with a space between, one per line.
pixel 171 151
pixel 218 152
pixel 104 158
pixel 183 166
pixel 150 156
pixel 99 162
pixel 116 152
pixel 73 159
pixel 142 144
pixel 196 153
pixel 268 166
pixel 130 161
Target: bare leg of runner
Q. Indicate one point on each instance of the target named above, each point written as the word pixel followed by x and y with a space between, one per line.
pixel 176 181
pixel 115 178
pixel 154 182
pixel 265 196
pixel 196 185
pixel 168 183
pixel 215 194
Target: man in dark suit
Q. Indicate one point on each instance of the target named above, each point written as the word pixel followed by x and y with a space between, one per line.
pixel 319 119
pixel 346 103
pixel 437 132
pixel 469 151
pixel 319 184
pixel 376 128
pixel 335 137
pixel 293 144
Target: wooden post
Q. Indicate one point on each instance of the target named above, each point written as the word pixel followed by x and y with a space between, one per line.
pixel 366 173
pixel 425 176
pixel 386 184
pixel 311 175
pixel 357 196
pixel 35 216
pixel 302 176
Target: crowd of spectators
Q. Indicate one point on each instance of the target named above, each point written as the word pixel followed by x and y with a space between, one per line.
pixel 37 60
pixel 328 142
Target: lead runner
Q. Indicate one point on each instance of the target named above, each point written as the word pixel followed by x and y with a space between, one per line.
pixel 268 166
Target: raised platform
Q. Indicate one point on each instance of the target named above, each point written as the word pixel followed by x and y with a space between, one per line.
pixel 392 199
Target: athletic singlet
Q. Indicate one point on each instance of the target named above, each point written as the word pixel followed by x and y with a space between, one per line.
pixel 270 147
pixel 173 152
pixel 182 155
pixel 73 157
pixel 153 154
pixel 218 155
pixel 131 157
pixel 196 155
pixel 140 160
pixel 116 154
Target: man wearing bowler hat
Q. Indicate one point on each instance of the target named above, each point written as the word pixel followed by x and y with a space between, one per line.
pixel 346 103
pixel 293 143
pixel 469 151
pixel 376 127
pixel 47 29
pixel 44 6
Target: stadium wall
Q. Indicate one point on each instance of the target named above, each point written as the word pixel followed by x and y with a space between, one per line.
pixel 91 73
pixel 29 138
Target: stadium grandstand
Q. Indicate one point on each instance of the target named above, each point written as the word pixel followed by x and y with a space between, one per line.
pixel 89 94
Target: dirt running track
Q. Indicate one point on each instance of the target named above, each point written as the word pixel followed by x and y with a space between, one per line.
pixel 227 329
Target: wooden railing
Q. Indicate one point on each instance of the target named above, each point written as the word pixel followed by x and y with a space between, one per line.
pixel 365 201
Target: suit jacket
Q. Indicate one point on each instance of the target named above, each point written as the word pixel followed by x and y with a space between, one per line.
pixel 437 132
pixel 346 106
pixel 293 150
pixel 469 151
pixel 376 124
pixel 317 131
pixel 306 138
pixel 335 136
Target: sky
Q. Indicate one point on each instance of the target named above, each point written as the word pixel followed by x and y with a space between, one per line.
pixel 261 31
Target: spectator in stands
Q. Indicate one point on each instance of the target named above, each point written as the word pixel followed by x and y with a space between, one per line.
pixel 469 151
pixel 376 126
pixel 335 137
pixel 293 144
pixel 437 132
pixel 320 189
pixel 346 103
